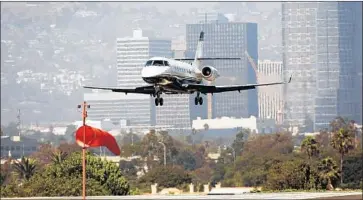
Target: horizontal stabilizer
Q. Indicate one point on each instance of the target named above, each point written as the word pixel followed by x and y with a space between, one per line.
pixel 207 59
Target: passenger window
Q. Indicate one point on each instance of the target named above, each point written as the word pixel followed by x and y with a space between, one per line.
pixel 166 63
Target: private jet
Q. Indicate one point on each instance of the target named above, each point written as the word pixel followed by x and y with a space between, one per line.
pixel 177 76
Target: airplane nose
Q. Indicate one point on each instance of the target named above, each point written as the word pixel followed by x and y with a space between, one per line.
pixel 148 72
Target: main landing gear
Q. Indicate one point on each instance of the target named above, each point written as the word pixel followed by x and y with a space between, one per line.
pixel 159 100
pixel 198 99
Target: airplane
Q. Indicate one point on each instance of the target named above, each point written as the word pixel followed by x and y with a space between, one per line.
pixel 173 76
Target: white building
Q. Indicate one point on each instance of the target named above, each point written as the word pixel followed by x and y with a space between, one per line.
pixel 252 123
pixel 118 106
pixel 270 99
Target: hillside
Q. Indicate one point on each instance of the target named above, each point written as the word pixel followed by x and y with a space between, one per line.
pixel 49 49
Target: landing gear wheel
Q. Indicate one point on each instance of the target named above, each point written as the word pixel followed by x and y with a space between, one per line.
pixel 161 101
pixel 196 100
pixel 156 101
pixel 200 101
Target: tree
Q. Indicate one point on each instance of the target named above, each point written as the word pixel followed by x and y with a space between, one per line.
pixel 343 141
pixel 25 168
pixel 58 157
pixel 292 174
pixel 169 176
pixel 328 172
pixel 239 142
pixel 310 146
pixel 129 168
pixel 186 159
pixel 353 169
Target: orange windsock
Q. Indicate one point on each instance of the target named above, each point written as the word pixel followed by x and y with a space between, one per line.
pixel 95 137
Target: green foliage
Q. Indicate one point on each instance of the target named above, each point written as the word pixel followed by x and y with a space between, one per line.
pixel 106 173
pixel 328 172
pixel 266 161
pixel 2 178
pixel 292 174
pixel 63 177
pixel 169 176
pixel 135 191
pixel 25 168
pixel 186 159
pixel 43 185
pixel 58 157
pixel 343 139
pixel 352 170
pixel 202 175
pixel 310 146
pixel 241 137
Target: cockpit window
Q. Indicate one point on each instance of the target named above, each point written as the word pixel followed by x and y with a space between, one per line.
pixel 158 63
pixel 148 63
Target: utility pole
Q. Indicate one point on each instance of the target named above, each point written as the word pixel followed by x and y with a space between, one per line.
pixel 84 107
pixel 164 153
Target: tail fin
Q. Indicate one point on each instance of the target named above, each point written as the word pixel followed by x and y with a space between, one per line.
pixel 199 51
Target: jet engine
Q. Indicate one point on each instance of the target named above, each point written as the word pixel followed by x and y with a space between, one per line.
pixel 209 73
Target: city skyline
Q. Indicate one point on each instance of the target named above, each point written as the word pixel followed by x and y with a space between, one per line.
pixel 350 106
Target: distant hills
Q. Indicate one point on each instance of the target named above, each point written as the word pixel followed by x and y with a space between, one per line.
pixel 54 38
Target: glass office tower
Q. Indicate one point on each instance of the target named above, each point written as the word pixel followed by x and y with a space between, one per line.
pixel 227 40
pixel 319 50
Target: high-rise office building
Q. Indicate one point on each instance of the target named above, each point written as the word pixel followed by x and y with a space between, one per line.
pixel 175 111
pixel 270 98
pixel 118 106
pixel 358 57
pixel 319 50
pixel 132 53
pixel 227 40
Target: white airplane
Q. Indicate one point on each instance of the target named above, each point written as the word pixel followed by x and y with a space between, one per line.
pixel 172 76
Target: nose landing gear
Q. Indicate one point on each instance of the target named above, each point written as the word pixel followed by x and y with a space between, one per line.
pixel 198 100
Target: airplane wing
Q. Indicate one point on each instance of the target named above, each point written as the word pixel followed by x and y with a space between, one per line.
pixel 218 89
pixel 138 90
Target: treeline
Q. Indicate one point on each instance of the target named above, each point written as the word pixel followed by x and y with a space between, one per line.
pixel 329 160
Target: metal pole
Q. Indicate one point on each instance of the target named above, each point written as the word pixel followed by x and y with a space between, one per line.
pixel 164 153
pixel 84 115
